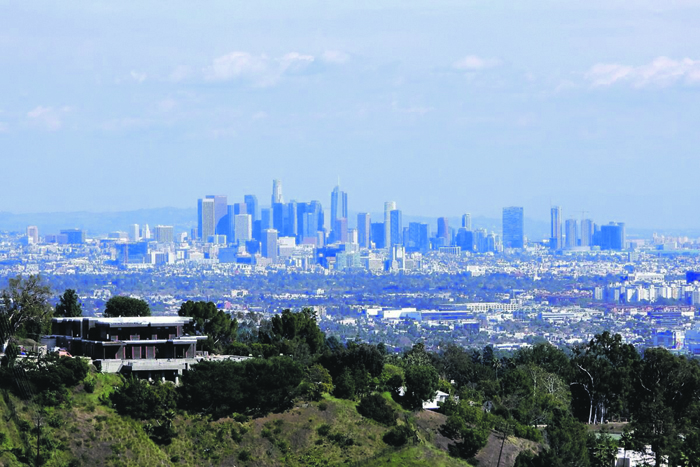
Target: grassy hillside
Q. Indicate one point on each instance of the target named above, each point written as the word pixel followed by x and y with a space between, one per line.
pixel 86 432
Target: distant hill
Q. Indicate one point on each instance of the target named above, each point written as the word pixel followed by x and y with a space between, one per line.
pixel 99 223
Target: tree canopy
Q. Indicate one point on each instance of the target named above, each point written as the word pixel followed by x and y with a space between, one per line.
pixel 216 324
pixel 122 306
pixel 68 305
pixel 24 309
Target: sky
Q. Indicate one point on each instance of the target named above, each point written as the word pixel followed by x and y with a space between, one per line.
pixel 443 106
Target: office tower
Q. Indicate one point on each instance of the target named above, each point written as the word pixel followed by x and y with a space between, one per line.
pixel 165 234
pixel 291 228
pixel 396 227
pixel 571 229
pixel 586 232
pixel 513 227
pixel 480 236
pixel 278 213
pixel 74 236
pixel 146 232
pixel 243 228
pixel 341 230
pixel 134 232
pixel 418 237
pixel 32 235
pixel 269 244
pixel 443 229
pixel 388 207
pixel 377 234
pixel 339 208
pixel 220 212
pixel 555 242
pixel 251 202
pixel 467 221
pixel 240 208
pixel 277 192
pixel 266 218
pixel 363 229
pixel 612 236
pixel 465 239
pixel 206 225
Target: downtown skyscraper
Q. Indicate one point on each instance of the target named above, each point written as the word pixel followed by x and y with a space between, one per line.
pixel 339 210
pixel 513 227
pixel 555 234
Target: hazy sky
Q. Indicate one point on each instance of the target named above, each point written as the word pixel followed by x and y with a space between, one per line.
pixel 444 107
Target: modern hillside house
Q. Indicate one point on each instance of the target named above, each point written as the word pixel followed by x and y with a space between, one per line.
pixel 148 347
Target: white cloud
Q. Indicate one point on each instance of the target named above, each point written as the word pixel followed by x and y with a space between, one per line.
pixel 662 71
pixel 137 76
pixel 294 62
pixel 48 117
pixel 260 69
pixel 234 65
pixel 475 63
pixel 335 56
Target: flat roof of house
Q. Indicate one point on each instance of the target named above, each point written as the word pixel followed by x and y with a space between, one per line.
pixel 138 320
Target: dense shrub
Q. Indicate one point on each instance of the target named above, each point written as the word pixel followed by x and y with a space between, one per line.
pixel 253 387
pixel 377 408
pixel 399 435
pixel 144 400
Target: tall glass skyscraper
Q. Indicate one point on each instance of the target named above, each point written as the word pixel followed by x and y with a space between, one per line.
pixel 396 237
pixel 513 227
pixel 555 229
pixel 388 207
pixel 571 228
pixel 363 229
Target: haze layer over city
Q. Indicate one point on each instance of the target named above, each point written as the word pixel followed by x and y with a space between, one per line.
pixel 365 233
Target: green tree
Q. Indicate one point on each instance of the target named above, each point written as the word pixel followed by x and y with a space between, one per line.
pixel 667 390
pixel 421 385
pixel 122 306
pixel 217 325
pixel 68 305
pixel 24 309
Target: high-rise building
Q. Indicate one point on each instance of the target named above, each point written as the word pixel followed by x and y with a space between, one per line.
pixel 278 214
pixel 339 208
pixel 32 235
pixel 266 218
pixel 164 234
pixel 206 213
pixel 465 239
pixel 134 233
pixel 341 230
pixel 74 236
pixel 269 244
pixel 396 237
pixel 277 192
pixel 612 236
pixel 146 232
pixel 251 202
pixel 467 221
pixel 291 226
pixel 586 232
pixel 221 222
pixel 443 229
pixel 418 237
pixel 377 234
pixel 555 235
pixel 363 229
pixel 243 228
pixel 513 227
pixel 571 229
pixel 388 207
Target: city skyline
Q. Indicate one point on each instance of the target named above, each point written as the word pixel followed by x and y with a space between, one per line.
pixel 524 113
